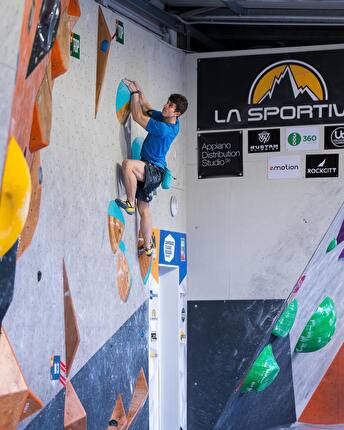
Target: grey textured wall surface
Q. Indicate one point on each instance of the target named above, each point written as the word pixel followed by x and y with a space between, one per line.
pixel 11 19
pixel 112 371
pixel 79 180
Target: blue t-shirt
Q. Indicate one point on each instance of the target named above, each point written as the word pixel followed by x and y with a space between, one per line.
pixel 159 139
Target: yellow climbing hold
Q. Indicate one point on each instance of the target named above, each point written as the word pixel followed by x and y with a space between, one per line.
pixel 15 196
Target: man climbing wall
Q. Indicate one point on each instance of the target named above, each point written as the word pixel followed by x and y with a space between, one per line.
pixel 142 177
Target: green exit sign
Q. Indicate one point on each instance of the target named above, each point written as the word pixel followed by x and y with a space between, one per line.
pixel 75 45
pixel 119 31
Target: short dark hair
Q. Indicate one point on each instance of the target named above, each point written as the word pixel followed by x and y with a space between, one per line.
pixel 180 101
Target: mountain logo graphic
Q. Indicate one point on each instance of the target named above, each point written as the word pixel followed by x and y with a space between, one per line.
pixel 322 164
pixel 304 80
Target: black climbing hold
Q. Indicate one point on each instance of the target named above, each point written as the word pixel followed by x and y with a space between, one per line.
pixel 39 275
pixel 113 423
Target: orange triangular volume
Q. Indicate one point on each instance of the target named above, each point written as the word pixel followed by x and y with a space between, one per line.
pixel 102 57
pixel 13 388
pixel 119 415
pixel 72 336
pixel 74 8
pixel 42 114
pixel 32 405
pixel 74 415
pixel 61 50
pixel 139 397
pixel 123 276
pixel 35 203
pixel 326 405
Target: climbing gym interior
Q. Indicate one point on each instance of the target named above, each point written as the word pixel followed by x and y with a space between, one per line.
pixel 236 320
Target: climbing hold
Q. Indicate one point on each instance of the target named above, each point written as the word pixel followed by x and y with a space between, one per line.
pixel 262 373
pixel 39 275
pixel 104 45
pixel 286 320
pixel 340 236
pixel 319 329
pixel 341 256
pixel 116 225
pixel 122 102
pixel 49 19
pixel 14 196
pixel 102 56
pixel 113 423
pixel 124 277
pixel 136 148
pixel 331 245
pixel 167 180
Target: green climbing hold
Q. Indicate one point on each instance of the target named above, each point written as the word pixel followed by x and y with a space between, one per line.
pixel 331 245
pixel 286 320
pixel 262 373
pixel 319 329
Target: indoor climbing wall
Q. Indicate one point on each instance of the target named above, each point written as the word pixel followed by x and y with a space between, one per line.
pixel 73 300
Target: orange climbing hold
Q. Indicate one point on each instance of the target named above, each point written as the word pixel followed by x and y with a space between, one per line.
pixel 42 114
pixel 139 397
pixel 60 53
pixel 75 417
pixel 72 336
pixel 119 415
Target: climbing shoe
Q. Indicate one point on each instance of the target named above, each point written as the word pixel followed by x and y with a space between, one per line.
pixel 126 205
pixel 150 251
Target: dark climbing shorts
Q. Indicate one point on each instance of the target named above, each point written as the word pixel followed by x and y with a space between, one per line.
pixel 153 178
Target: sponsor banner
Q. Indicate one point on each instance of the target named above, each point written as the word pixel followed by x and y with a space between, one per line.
pixel 284 167
pixel 264 140
pixel 302 138
pixel 270 90
pixel 220 154
pixel 173 251
pixel 334 137
pixel 322 165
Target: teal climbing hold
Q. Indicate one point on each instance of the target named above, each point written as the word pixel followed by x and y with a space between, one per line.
pixel 262 373
pixel 286 320
pixel 319 329
pixel 167 180
pixel 331 245
pixel 136 148
pixel 115 211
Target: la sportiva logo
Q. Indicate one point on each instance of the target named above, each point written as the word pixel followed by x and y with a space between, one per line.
pixel 303 79
pixel 301 87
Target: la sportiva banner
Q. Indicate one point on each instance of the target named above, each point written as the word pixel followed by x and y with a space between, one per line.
pixel 256 91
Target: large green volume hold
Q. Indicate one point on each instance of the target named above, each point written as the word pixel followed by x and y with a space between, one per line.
pixel 286 320
pixel 319 329
pixel 262 373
